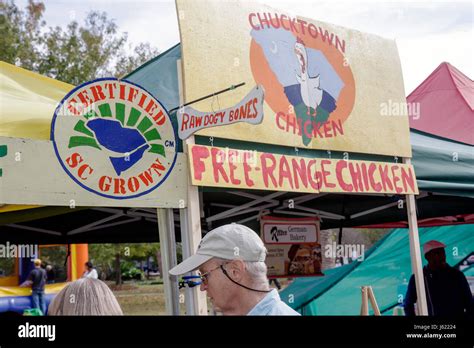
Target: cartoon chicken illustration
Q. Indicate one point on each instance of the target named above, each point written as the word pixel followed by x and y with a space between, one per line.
pixel 311 94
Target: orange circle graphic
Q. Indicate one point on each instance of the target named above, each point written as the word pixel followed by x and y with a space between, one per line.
pixel 275 95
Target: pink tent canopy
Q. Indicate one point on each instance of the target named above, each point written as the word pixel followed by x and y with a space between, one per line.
pixel 446 102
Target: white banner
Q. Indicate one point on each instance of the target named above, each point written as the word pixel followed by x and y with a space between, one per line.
pixel 277 232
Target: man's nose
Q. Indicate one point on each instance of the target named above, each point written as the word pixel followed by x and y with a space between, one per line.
pixel 203 287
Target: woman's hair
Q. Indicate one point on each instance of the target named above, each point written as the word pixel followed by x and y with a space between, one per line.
pixel 89 264
pixel 85 296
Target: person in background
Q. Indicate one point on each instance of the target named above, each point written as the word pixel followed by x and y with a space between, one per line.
pixel 90 271
pixel 50 274
pixel 447 290
pixel 85 296
pixel 37 280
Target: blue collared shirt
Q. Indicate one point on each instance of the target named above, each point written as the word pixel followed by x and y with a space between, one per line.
pixel 271 304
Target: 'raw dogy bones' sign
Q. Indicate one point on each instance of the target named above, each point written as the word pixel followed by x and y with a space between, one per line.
pixel 219 167
pixel 249 109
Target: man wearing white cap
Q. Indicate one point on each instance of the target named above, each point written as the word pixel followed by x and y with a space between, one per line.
pixel 231 263
pixel 447 290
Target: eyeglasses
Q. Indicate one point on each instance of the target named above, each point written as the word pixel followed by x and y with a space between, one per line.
pixel 204 276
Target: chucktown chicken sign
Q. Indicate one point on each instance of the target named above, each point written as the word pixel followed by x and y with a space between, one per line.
pixel 325 86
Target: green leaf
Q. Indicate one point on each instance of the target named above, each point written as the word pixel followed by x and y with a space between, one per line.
pixel 152 135
pixel 158 149
pixel 83 141
pixel 81 128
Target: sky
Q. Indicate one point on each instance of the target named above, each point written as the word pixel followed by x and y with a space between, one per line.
pixel 427 33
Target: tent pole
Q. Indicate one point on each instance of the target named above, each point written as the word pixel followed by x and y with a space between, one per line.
pixel 190 221
pixel 341 227
pixel 168 259
pixel 415 253
pixel 189 302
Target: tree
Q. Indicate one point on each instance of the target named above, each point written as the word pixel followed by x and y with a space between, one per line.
pixel 109 257
pixel 142 53
pixel 75 54
pixel 102 256
pixel 21 34
pixel 375 234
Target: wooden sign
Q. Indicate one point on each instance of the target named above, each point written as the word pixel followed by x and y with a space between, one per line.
pixel 32 174
pixel 326 86
pixel 224 167
pixel 108 131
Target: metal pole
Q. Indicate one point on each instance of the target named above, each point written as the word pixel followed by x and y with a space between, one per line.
pixel 415 253
pixel 190 303
pixel 168 259
pixel 231 88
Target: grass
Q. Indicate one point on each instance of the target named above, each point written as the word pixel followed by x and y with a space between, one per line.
pixel 147 297
pixel 142 298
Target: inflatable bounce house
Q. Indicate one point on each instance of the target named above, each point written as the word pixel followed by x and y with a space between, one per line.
pixel 64 263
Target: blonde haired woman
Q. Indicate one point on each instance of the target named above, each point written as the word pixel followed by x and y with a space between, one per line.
pixel 85 296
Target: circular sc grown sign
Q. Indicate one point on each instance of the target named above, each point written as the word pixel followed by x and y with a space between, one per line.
pixel 113 138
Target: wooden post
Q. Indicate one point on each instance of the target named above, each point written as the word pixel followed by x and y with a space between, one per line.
pixel 364 308
pixel 368 294
pixel 190 219
pixel 415 253
pixel 373 301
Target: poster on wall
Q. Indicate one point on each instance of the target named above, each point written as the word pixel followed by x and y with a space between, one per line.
pixel 326 86
pixel 293 247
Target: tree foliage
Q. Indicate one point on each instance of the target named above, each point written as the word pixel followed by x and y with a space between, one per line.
pixel 75 54
pixel 107 257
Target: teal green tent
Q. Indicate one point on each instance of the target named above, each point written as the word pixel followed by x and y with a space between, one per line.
pixel 430 153
pixel 443 168
pixel 387 268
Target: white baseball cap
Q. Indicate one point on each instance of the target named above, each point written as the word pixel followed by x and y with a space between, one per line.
pixel 431 245
pixel 227 242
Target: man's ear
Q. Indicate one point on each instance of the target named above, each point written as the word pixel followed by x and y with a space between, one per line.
pixel 236 269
